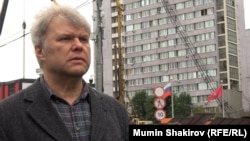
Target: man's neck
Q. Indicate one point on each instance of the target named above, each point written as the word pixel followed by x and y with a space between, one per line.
pixel 68 89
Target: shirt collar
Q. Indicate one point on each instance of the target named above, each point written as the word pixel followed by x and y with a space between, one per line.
pixel 51 94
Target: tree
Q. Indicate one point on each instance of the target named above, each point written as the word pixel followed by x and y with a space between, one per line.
pixel 198 109
pixel 143 105
pixel 150 109
pixel 182 105
pixel 138 102
pixel 168 107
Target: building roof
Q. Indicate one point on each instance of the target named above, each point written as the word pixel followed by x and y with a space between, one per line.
pixel 207 119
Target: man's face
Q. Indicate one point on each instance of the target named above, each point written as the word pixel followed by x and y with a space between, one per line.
pixel 66 49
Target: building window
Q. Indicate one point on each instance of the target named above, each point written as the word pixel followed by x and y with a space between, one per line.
pixel 146 58
pixel 232 36
pixel 198 2
pixel 210 48
pixel 147 80
pixel 128 17
pixel 171 42
pixel 153 12
pixel 189 3
pixel 189 27
pixel 154 45
pixel 146 69
pixel 137 26
pixel 162 21
pixel 204 12
pixel 189 15
pixel 179 6
pixel 137 15
pixel 202 86
pixel 209 23
pixel 199 25
pixel 165 78
pixel 145 13
pixel 211 60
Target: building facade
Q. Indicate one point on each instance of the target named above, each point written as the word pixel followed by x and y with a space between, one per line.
pixel 245 52
pixel 155 54
pixel 12 87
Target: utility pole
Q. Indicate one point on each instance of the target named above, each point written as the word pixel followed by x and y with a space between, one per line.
pixel 98 45
pixel 24 27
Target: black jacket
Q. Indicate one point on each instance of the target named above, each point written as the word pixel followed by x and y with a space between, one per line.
pixel 30 116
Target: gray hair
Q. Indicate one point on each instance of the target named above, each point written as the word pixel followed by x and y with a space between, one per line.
pixel 42 20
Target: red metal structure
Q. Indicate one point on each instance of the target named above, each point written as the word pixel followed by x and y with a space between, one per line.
pixel 12 87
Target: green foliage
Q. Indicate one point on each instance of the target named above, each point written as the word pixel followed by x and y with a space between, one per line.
pixel 168 107
pixel 182 105
pixel 144 105
pixel 149 107
pixel 198 109
pixel 138 101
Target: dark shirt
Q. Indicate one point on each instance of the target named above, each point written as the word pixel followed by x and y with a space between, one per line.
pixel 76 117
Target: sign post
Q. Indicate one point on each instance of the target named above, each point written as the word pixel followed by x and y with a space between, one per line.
pixel 159 103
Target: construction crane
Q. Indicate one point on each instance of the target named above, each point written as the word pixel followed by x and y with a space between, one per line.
pixel 195 56
pixel 122 83
pixel 4 5
pixel 121 80
pixel 54 2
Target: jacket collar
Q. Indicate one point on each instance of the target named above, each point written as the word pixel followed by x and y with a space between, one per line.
pixel 49 120
pixel 43 113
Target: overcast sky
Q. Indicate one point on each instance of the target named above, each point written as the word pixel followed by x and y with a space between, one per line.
pixel 11 55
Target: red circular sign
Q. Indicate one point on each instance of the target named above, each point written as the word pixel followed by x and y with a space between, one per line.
pixel 159 91
pixel 160 114
pixel 159 103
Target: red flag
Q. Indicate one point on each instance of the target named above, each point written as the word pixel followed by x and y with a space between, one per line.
pixel 216 94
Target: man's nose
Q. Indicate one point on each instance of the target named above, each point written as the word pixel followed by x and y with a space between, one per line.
pixel 77 44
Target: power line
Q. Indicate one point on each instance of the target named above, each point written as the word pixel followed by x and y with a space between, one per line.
pixel 14 40
pixel 10 36
pixel 84 4
pixel 5 44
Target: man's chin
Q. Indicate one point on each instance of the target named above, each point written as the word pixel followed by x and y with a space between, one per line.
pixel 78 73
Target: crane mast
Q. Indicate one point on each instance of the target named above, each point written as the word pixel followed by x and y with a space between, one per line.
pixel 122 92
pixel 54 2
pixel 194 55
pixel 121 80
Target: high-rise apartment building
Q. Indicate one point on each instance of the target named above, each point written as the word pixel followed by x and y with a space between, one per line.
pixel 154 53
pixel 245 38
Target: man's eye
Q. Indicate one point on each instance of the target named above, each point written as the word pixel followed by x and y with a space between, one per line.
pixel 65 38
pixel 83 39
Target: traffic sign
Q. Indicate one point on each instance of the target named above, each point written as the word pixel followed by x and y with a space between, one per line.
pixel 160 114
pixel 159 103
pixel 159 91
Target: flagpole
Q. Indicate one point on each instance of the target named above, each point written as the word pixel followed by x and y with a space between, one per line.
pixel 172 102
pixel 223 110
pixel 172 98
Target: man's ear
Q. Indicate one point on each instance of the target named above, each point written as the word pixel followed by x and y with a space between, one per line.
pixel 39 52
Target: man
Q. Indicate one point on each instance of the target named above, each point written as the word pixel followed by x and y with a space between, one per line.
pixel 60 105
